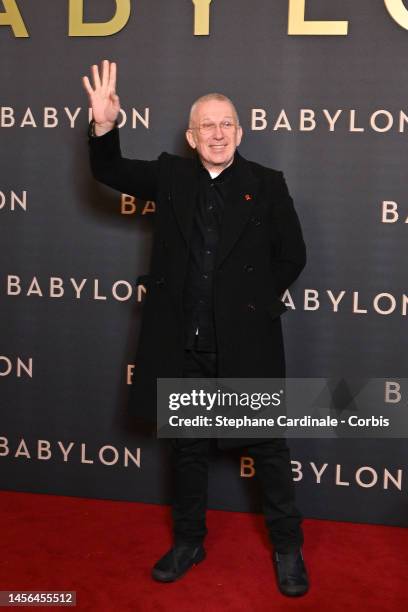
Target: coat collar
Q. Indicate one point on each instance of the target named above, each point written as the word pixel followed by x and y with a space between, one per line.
pixel 238 208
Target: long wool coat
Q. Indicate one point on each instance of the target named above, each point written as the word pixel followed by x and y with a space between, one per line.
pixel 261 252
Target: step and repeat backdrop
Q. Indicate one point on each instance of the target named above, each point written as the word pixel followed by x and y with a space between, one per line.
pixel 321 88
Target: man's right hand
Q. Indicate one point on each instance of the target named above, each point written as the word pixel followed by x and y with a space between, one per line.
pixel 102 97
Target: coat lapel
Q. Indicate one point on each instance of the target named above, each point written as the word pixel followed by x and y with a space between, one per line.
pixel 239 207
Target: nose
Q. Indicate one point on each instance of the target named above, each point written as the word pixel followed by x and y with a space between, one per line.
pixel 218 133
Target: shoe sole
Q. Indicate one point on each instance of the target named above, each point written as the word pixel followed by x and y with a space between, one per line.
pixel 161 577
pixel 298 593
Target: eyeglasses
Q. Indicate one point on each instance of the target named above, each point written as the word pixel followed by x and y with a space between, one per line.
pixel 208 127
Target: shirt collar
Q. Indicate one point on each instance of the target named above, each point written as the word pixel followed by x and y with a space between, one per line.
pixel 224 175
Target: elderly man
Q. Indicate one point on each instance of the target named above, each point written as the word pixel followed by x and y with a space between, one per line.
pixel 227 243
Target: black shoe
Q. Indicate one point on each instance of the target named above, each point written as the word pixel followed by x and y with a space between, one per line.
pixel 291 573
pixel 177 561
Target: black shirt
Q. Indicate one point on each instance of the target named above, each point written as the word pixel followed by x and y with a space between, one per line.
pixel 198 295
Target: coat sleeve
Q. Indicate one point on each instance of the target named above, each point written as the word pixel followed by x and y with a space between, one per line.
pixel 290 256
pixel 132 176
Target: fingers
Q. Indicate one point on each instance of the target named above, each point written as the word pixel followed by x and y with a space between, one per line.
pixel 87 85
pixel 108 82
pixel 105 74
pixel 112 77
pixel 115 102
pixel 96 78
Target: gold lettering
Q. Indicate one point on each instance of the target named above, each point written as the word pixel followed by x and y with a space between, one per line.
pixel 398 12
pixel 12 17
pixel 77 27
pixel 129 373
pixel 128 204
pixel 141 291
pixel 149 207
pixel 201 17
pixel 247 467
pixel 297 25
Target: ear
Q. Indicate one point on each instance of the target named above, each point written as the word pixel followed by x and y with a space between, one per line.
pixel 190 139
pixel 240 133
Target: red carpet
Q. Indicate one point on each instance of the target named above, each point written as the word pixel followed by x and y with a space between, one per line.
pixel 103 550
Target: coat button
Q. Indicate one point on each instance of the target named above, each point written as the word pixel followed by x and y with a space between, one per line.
pixel 248 268
pixel 256 221
pixel 160 282
pixel 251 307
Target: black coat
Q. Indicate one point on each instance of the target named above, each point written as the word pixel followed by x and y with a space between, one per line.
pixel 260 253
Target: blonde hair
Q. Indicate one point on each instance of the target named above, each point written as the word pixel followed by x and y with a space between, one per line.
pixel 207 98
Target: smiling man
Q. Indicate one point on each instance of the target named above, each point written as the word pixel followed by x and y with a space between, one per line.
pixel 214 131
pixel 227 243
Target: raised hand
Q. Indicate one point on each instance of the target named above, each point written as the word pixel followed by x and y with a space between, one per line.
pixel 102 97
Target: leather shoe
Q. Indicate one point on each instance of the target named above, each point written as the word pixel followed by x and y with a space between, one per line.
pixel 291 573
pixel 177 561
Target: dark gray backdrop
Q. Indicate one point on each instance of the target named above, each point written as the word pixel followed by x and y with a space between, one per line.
pixel 73 228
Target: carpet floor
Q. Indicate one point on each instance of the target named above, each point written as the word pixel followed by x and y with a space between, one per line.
pixel 104 550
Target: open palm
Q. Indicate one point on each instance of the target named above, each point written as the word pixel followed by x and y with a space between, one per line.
pixel 102 96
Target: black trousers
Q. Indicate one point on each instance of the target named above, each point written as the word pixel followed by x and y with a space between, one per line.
pixel 190 458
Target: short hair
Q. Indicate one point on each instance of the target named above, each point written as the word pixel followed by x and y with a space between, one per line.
pixel 211 96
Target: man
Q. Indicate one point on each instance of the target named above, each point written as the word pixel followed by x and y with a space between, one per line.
pixel 227 243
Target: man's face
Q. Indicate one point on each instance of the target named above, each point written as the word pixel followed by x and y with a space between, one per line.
pixel 214 133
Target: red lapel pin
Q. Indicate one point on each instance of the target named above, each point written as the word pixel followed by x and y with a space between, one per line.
pixel 248 197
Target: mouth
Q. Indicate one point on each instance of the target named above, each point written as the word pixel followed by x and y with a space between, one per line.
pixel 218 147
